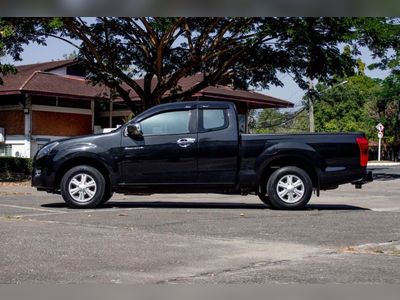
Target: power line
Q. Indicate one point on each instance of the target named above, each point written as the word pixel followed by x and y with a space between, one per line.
pixel 287 120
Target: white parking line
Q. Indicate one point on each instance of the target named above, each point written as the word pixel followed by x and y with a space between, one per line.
pixel 50 212
pixel 386 209
pixel 32 208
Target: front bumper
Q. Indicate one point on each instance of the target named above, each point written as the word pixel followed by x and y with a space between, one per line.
pixel 42 178
pixel 367 179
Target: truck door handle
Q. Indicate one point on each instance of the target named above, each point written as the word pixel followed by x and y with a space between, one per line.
pixel 185 142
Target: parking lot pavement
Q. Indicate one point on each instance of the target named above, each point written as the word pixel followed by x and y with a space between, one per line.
pixel 346 235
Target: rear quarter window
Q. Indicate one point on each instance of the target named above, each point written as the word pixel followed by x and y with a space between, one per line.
pixel 213 119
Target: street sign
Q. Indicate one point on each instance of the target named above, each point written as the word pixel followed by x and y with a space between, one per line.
pixel 380 127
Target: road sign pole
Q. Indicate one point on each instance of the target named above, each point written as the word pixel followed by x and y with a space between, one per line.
pixel 379 149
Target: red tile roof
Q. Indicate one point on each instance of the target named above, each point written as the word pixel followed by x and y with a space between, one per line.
pixel 67 86
pixel 14 82
pixel 36 79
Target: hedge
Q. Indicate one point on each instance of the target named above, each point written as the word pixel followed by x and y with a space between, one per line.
pixel 15 168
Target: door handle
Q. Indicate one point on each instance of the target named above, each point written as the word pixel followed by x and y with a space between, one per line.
pixel 185 142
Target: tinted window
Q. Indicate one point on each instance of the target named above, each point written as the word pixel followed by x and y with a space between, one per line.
pixel 173 122
pixel 214 119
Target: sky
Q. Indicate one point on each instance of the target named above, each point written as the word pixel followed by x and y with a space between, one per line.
pixel 55 50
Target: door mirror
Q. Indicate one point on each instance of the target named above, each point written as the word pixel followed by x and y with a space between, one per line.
pixel 133 130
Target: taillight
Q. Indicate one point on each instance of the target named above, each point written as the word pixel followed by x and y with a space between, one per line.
pixel 363 145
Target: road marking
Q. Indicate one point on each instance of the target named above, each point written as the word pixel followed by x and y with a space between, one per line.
pixel 51 212
pixel 386 209
pixel 39 215
pixel 32 208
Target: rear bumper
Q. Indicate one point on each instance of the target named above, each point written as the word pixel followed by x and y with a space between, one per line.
pixel 367 179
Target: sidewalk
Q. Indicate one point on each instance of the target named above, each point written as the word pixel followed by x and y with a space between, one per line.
pixel 383 163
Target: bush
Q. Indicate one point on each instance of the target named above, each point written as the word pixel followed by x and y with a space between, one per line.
pixel 15 168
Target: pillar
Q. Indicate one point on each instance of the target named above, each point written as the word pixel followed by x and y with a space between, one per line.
pixel 27 127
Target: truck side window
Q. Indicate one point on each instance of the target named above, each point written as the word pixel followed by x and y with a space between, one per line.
pixel 172 122
pixel 214 119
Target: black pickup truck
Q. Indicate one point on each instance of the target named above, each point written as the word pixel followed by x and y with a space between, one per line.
pixel 196 147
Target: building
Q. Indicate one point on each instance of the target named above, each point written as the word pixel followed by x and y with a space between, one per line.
pixel 48 101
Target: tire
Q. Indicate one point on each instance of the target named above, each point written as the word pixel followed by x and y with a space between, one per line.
pixel 264 198
pixel 106 197
pixel 289 188
pixel 83 187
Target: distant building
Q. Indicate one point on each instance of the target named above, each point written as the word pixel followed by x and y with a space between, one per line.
pixel 48 101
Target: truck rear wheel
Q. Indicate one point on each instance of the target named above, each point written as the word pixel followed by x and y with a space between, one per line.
pixel 289 188
pixel 83 187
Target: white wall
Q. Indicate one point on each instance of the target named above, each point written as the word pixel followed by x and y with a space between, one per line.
pixel 59 71
pixel 38 141
pixel 18 144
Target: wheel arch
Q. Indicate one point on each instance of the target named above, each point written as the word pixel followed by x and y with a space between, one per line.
pixel 299 161
pixel 87 161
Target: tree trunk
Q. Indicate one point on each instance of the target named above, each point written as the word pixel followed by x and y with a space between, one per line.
pixel 127 99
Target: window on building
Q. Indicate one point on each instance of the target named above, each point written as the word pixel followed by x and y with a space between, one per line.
pixel 172 122
pixel 5 150
pixel 76 70
pixel 74 103
pixel 48 101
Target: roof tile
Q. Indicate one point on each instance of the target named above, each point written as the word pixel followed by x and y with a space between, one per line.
pixel 35 78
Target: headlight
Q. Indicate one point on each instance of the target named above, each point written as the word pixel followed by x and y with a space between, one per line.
pixel 46 150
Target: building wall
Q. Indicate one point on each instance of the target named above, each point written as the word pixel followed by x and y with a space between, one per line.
pixel 12 121
pixel 60 124
pixel 17 145
pixel 38 141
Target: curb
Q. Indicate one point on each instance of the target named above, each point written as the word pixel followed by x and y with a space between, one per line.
pixel 383 164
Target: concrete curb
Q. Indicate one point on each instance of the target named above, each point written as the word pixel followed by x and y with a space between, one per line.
pixel 383 164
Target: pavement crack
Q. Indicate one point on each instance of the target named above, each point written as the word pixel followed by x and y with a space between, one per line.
pixel 254 265
pixel 223 271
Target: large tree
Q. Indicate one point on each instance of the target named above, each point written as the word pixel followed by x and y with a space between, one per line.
pixel 387 111
pixel 248 52
pixel 348 107
pixel 14 35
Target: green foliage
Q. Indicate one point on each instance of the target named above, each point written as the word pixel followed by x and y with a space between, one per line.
pixel 15 168
pixel 387 109
pixel 72 55
pixel 248 52
pixel 347 107
pixel 14 34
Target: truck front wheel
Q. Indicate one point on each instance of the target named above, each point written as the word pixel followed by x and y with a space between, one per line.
pixel 83 187
pixel 264 198
pixel 289 188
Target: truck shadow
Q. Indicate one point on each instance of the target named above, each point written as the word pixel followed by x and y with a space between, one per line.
pixel 207 205
pixel 385 174
pixel 385 177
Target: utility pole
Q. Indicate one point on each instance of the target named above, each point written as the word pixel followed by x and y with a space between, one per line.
pixel 311 105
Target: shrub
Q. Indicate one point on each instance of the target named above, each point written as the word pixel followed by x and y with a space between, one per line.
pixel 15 168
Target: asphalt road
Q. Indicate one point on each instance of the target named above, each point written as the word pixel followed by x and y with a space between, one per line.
pixel 345 236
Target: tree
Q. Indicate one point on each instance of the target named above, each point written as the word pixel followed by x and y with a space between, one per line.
pixel 348 107
pixel 387 112
pixel 272 120
pixel 248 52
pixel 13 36
pixel 72 55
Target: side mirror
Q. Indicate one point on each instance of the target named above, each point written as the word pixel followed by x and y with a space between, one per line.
pixel 133 130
